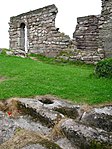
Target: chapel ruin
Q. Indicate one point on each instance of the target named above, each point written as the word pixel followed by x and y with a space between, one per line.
pixel 35 32
pixel 38 29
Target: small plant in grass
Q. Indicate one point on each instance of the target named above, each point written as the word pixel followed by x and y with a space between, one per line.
pixel 4 51
pixel 104 68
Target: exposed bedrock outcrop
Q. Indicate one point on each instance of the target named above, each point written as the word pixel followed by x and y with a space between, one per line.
pixel 47 120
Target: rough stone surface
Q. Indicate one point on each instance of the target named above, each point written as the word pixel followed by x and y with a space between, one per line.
pixel 87 39
pixel 7 127
pixel 84 136
pixel 87 33
pixel 35 32
pixel 26 123
pixel 34 146
pixel 65 144
pixel 100 118
pixel 105 28
pixel 51 123
pixel 93 33
pixel 50 110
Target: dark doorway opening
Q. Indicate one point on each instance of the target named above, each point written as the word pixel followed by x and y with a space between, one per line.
pixel 23 37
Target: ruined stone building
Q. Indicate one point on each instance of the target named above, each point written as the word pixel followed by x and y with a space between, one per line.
pixel 93 34
pixel 35 32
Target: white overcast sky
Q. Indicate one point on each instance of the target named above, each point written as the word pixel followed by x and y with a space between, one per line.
pixel 68 11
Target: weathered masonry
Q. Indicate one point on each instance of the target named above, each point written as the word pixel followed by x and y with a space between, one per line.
pixel 93 34
pixel 87 39
pixel 105 28
pixel 35 32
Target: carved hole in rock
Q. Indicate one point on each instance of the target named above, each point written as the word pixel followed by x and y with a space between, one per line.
pixel 46 101
pixel 23 37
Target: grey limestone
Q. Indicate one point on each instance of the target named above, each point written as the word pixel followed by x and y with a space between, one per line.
pixel 35 31
pixel 75 127
pixel 94 32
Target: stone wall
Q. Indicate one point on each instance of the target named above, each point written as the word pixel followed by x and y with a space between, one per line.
pixel 93 34
pixel 105 28
pixel 86 36
pixel 87 32
pixel 35 32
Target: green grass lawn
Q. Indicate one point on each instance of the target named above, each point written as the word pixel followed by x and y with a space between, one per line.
pixel 26 77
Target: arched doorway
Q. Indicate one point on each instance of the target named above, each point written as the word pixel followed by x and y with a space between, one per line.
pixel 23 37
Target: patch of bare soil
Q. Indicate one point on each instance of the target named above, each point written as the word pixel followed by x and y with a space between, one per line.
pixel 10 106
pixel 2 78
pixel 35 59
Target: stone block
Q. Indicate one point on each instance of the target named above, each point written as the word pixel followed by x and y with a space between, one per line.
pixel 84 136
